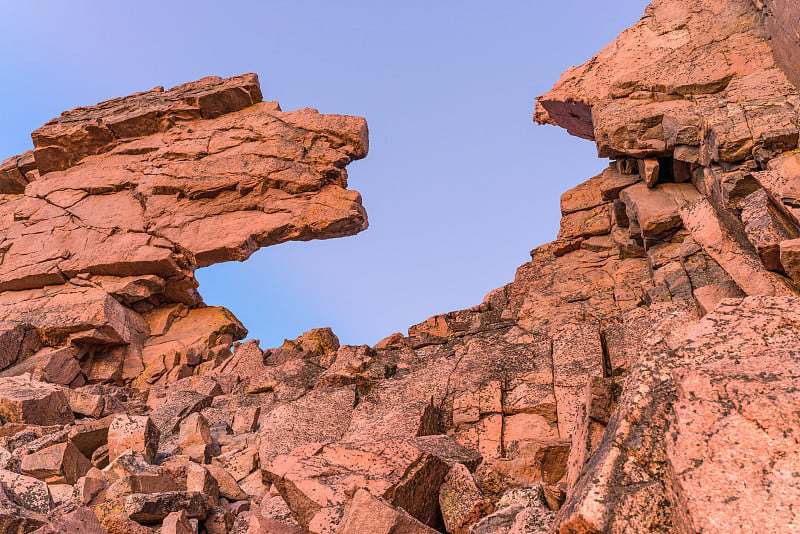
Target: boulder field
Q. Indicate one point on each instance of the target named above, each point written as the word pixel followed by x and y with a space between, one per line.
pixel 640 374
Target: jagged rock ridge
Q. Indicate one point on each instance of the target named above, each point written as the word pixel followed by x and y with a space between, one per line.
pixel 638 375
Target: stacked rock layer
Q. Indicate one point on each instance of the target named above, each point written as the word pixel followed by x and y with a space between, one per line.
pixel 638 375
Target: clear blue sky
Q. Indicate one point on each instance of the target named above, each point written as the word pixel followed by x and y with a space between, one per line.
pixel 459 183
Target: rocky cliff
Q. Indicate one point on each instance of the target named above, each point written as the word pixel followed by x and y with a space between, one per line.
pixel 638 375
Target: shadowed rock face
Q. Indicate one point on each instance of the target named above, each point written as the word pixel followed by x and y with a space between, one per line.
pixel 637 375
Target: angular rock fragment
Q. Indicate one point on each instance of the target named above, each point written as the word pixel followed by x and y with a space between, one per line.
pixel 720 241
pixel 132 432
pixel 57 464
pixel 80 520
pixel 366 513
pixel 176 407
pixel 23 400
pixel 27 492
pixel 194 438
pixel 460 500
pixel 154 507
pixel 313 479
pixel 176 523
pixel 656 210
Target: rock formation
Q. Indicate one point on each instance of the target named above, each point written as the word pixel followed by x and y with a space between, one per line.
pixel 638 375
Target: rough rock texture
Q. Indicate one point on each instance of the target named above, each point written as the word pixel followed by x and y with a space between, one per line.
pixel 638 374
pixel 125 199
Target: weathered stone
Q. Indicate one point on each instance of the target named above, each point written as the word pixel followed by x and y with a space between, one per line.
pixel 239 463
pixel 708 297
pixel 656 210
pixel 518 511
pixel 199 479
pixel 81 520
pixel 132 432
pixel 577 354
pixel 728 450
pixel 118 523
pixel 314 478
pixel 176 407
pixel 228 487
pixel 176 523
pixel 23 400
pixel 56 366
pixel 257 524
pixel 367 513
pixel 596 221
pixel 734 253
pixel 291 425
pixel 153 508
pixel 460 500
pixel 131 473
pixel 89 489
pixel 765 228
pixel 64 141
pixel 57 464
pixel 194 438
pixel 27 492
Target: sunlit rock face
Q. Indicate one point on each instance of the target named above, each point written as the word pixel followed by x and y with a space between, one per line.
pixel 637 375
pixel 105 221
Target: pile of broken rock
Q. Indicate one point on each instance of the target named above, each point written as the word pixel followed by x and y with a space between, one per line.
pixel 638 375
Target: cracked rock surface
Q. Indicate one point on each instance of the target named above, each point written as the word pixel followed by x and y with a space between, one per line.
pixel 638 374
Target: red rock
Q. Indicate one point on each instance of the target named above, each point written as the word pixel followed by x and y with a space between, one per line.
pixel 460 500
pixel 577 353
pixel 314 478
pixel 81 520
pixel 28 492
pixel 194 439
pixel 199 479
pixel 153 508
pixel 239 463
pixel 256 524
pixel 12 173
pixel 518 511
pixel 728 450
pixel 57 464
pixel 290 425
pixel 120 524
pixel 738 259
pixel 176 407
pixel 366 513
pixel 23 400
pixel 86 404
pixel 649 170
pixel 15 341
pixel 176 523
pixel 56 366
pixel 78 133
pixel 132 432
pixel 708 297
pixel 78 313
pixel 656 210
pixel 765 227
pixel 131 473
pixel 89 488
pixel 274 507
pixel 593 417
pixel 246 420
pixel 227 485
pixel 596 221
pixel 584 196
